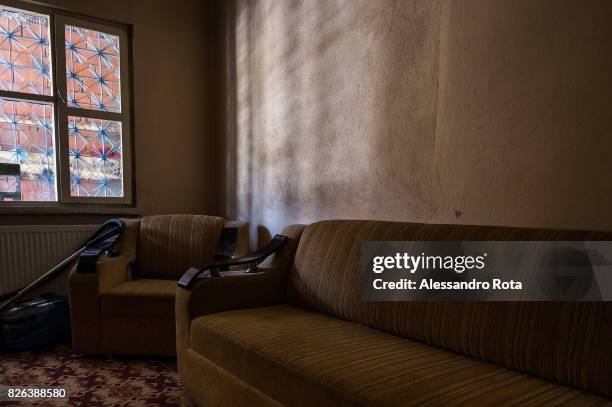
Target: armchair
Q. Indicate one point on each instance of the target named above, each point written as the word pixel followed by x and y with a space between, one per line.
pixel 127 305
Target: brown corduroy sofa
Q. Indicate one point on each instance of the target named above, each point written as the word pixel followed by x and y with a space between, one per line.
pixel 297 334
pixel 127 306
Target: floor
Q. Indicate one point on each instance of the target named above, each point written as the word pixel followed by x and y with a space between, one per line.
pixel 94 381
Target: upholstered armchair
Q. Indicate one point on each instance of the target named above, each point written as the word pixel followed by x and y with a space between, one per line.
pixel 127 305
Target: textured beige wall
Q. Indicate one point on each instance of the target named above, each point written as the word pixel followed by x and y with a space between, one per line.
pixel 525 113
pixel 471 111
pixel 335 109
pixel 172 95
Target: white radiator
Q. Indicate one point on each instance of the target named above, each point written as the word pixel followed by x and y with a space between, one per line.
pixel 27 252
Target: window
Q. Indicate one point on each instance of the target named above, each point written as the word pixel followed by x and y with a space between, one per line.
pixel 64 108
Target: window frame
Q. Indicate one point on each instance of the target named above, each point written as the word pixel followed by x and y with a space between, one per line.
pixel 61 20
pixel 58 18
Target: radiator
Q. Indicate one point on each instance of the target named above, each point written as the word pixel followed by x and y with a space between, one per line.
pixel 27 252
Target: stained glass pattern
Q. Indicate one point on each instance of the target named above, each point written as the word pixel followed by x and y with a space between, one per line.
pixel 95 157
pixel 25 59
pixel 92 69
pixel 27 145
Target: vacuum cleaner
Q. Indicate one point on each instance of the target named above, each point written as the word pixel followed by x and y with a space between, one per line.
pixel 44 320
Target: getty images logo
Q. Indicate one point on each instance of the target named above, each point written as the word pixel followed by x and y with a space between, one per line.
pixel 412 263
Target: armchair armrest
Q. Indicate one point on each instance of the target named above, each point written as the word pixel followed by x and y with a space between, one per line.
pixel 85 290
pixel 111 271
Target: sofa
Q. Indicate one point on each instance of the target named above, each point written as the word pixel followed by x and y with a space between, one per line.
pixel 127 305
pixel 297 334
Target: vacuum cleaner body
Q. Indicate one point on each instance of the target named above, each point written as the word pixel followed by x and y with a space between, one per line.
pixel 40 322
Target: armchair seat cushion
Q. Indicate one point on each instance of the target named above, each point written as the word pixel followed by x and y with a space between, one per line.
pixel 299 357
pixel 140 298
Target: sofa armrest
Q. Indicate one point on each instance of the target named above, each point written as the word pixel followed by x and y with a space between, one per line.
pixel 190 276
pixel 232 290
pixel 235 290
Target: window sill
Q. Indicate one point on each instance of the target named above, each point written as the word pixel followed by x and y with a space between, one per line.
pixel 68 210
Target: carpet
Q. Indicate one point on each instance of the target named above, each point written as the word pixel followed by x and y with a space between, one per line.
pixel 95 381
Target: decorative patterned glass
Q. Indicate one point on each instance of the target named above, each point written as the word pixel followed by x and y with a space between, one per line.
pixel 95 157
pixel 25 58
pixel 92 69
pixel 27 144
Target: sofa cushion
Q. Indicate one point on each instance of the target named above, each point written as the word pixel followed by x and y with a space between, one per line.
pixel 564 342
pixel 170 244
pixel 140 298
pixel 303 358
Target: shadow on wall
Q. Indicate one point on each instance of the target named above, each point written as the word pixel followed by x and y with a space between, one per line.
pixel 329 97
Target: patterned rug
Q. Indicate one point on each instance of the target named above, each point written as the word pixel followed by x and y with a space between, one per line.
pixel 94 381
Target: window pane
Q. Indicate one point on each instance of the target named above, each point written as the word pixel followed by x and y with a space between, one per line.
pixel 92 69
pixel 95 157
pixel 25 59
pixel 27 151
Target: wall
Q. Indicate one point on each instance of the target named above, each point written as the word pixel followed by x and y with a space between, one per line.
pixel 525 113
pixel 471 111
pixel 335 109
pixel 172 100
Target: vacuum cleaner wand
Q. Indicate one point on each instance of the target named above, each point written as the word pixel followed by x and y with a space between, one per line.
pixel 111 228
pixel 42 278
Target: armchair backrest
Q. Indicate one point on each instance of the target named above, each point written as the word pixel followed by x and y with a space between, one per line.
pixel 170 244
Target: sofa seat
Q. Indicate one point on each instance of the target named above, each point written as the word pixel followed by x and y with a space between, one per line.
pixel 140 298
pixel 303 358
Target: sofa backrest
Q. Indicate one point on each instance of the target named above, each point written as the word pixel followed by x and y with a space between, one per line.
pixel 570 343
pixel 170 244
